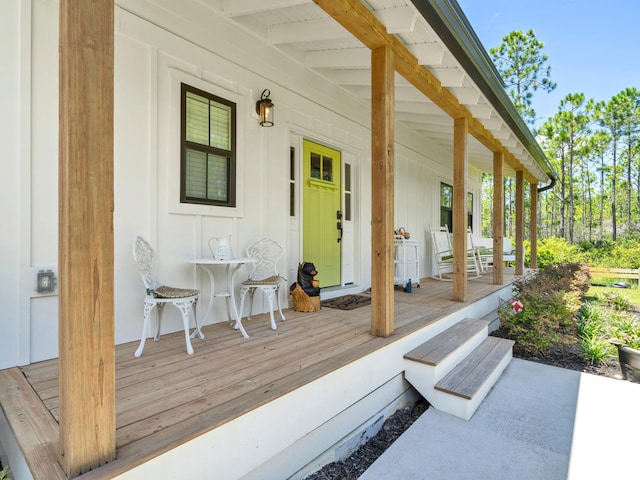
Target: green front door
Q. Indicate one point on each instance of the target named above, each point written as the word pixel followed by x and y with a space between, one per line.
pixel 321 211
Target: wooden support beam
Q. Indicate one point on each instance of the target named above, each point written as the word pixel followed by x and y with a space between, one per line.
pixel 460 173
pixel 382 185
pixel 498 218
pixel 533 194
pixel 519 222
pixel 86 301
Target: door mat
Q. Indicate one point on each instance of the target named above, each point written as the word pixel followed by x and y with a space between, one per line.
pixel 347 302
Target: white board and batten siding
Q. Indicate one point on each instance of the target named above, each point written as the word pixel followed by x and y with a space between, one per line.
pixel 155 50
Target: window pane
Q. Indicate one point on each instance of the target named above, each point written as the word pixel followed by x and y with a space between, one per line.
pixel 315 166
pixel 292 181
pixel 217 178
pixel 347 206
pixel 446 195
pixel 197 121
pixel 446 218
pixel 196 168
pixel 220 136
pixel 292 197
pixel 327 169
pixel 470 202
pixel 347 177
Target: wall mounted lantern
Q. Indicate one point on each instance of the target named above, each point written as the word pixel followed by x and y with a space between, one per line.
pixel 264 109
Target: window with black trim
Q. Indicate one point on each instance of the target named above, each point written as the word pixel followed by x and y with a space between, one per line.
pixel 208 144
pixel 446 207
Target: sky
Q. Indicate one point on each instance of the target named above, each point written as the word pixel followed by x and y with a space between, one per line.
pixel 593 45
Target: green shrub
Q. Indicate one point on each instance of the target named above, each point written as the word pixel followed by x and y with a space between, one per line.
pixel 595 349
pixel 551 299
pixel 4 472
pixel 555 250
pixel 590 321
pixel 626 329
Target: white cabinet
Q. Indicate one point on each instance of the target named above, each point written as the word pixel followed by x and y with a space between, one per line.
pixel 406 261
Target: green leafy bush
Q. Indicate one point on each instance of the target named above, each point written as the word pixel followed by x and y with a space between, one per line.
pixel 4 472
pixel 555 250
pixel 551 299
pixel 626 329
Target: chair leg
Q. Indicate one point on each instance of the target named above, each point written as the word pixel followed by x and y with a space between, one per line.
pixel 148 306
pixel 269 293
pixel 238 325
pixel 160 307
pixel 185 308
pixel 252 292
pixel 278 302
pixel 197 330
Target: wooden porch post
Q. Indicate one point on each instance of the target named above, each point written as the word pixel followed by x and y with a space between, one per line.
pixel 498 217
pixel 533 257
pixel 460 170
pixel 86 309
pixel 519 222
pixel 382 178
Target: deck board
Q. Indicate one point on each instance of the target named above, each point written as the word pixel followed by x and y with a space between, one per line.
pixel 166 397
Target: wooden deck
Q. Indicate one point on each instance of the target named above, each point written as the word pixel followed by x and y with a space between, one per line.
pixel 166 398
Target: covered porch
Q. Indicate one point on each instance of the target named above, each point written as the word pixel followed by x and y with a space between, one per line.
pixel 173 410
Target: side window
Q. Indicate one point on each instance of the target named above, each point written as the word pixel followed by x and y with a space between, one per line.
pixel 446 207
pixel 292 182
pixel 347 192
pixel 208 146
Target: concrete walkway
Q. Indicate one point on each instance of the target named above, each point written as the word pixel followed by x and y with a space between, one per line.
pixel 538 423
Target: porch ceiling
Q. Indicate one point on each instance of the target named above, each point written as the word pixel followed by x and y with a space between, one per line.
pixel 303 31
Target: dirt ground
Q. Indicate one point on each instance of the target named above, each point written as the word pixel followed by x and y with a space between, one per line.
pixel 567 356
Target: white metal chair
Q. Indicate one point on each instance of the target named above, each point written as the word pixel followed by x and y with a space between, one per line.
pixel 185 300
pixel 264 276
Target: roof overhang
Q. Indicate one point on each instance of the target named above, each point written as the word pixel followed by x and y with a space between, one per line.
pixel 334 39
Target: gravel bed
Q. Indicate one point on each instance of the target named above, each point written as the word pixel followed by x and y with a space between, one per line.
pixel 352 467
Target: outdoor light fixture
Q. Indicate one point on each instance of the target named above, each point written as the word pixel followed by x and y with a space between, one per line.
pixel 264 109
pixel 46 281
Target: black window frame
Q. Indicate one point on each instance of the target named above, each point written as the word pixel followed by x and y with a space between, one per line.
pixel 186 145
pixel 446 212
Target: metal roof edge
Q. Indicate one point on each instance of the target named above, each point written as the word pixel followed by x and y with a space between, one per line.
pixel 450 23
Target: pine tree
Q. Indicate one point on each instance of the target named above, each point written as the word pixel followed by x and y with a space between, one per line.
pixel 524 69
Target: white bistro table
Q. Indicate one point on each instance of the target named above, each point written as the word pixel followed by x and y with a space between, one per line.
pixel 232 265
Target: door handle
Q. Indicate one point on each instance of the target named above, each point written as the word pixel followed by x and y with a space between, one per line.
pixel 339 227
